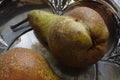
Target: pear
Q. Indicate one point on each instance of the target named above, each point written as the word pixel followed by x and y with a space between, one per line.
pixel 72 41
pixel 40 22
pixel 25 64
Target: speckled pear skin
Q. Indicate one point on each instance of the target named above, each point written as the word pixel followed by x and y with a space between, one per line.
pixel 25 64
pixel 75 41
pixel 40 22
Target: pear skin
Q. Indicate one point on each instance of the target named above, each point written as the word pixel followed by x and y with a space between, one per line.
pixel 40 22
pixel 25 64
pixel 69 41
pixel 76 41
pixel 98 32
pixel 93 20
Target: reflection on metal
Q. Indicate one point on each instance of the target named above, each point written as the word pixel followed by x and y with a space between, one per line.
pixel 59 5
pixel 3 44
pixel 115 56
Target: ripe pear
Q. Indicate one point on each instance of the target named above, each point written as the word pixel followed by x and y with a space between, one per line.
pixel 40 22
pixel 74 42
pixel 25 64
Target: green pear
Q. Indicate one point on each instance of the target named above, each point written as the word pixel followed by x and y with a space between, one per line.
pixel 71 40
pixel 40 22
pixel 25 64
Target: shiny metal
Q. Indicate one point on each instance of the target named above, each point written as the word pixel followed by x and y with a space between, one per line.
pixel 3 44
pixel 12 14
pixel 59 5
